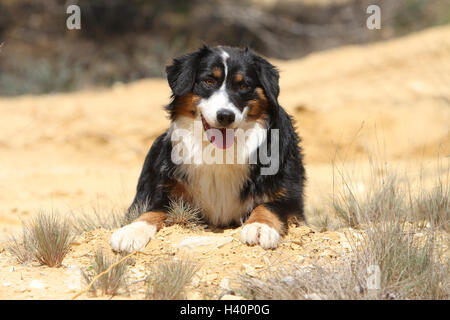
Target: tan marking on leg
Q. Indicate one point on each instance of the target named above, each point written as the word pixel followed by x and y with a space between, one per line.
pixel 156 218
pixel 261 214
pixel 263 228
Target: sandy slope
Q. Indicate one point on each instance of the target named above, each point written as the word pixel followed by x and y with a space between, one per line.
pixel 81 149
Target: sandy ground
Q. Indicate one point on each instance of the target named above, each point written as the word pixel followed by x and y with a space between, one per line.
pixel 74 151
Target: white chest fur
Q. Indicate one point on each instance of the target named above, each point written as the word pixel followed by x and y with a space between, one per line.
pixel 215 188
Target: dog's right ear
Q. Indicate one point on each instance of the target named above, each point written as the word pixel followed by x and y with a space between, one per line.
pixel 181 73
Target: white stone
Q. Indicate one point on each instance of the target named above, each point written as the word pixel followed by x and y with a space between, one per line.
pixel 37 284
pixel 231 297
pixel 196 241
pixel 248 268
pixel 195 282
pixel 225 283
pixel 313 296
pixel 211 277
pixel 290 281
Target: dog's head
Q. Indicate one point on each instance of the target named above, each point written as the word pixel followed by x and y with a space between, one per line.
pixel 225 88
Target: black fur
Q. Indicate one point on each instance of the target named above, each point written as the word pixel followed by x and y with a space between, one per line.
pixel 187 75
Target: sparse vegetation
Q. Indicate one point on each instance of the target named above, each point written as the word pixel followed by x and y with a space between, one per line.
pixel 181 213
pixel 46 238
pixel 411 259
pixel 20 248
pixel 96 219
pixel 383 199
pixel 321 221
pixel 168 279
pixel 388 197
pixel 433 205
pixel 113 217
pixel 110 283
pixel 412 266
pixel 134 212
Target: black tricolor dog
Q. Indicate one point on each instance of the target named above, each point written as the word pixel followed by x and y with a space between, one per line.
pixel 218 94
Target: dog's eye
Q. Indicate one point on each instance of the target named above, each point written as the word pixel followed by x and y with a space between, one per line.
pixel 243 86
pixel 209 82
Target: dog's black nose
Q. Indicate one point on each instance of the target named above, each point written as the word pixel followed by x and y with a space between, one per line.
pixel 225 117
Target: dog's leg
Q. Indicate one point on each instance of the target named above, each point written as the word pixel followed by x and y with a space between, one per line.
pixel 137 234
pixel 263 227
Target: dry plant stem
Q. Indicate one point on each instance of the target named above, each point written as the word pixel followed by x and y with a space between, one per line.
pixel 102 274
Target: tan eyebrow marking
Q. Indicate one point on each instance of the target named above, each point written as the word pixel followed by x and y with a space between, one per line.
pixel 238 77
pixel 217 73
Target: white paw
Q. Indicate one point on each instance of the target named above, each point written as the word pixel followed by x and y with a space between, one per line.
pixel 260 233
pixel 134 236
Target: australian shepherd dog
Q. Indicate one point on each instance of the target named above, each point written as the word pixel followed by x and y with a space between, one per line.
pixel 231 150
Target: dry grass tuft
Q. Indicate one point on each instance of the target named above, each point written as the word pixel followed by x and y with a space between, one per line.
pixel 389 197
pixel 46 238
pixel 412 266
pixel 321 220
pixel 107 216
pixel 383 199
pixel 434 206
pixel 97 218
pixel 411 259
pixel 135 211
pixel 179 212
pixel 169 279
pixel 20 248
pixel 183 214
pixel 110 283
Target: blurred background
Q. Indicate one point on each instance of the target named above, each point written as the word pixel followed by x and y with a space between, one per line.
pixel 126 40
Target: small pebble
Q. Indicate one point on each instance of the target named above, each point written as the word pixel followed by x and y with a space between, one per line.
pixel 211 277
pixel 232 297
pixel 37 284
pixel 225 283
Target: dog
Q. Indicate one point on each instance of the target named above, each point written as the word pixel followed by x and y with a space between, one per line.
pixel 218 95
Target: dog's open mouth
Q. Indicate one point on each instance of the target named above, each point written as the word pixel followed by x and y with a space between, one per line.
pixel 222 138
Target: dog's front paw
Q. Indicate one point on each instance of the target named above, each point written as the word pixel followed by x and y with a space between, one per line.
pixel 134 236
pixel 260 233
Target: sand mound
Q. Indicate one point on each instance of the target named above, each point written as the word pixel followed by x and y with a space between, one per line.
pixel 218 266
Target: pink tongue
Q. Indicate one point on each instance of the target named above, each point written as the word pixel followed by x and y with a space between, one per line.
pixel 222 138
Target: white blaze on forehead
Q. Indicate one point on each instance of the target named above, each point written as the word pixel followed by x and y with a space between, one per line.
pixel 220 100
pixel 225 56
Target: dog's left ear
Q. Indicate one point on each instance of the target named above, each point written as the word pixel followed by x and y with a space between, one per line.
pixel 181 73
pixel 268 77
